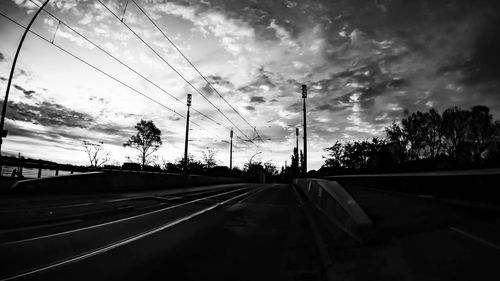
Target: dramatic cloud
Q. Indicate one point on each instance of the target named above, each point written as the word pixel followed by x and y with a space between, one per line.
pixel 27 93
pixel 365 63
pixel 256 99
pixel 48 114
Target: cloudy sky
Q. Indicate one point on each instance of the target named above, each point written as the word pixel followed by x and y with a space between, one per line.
pixel 366 62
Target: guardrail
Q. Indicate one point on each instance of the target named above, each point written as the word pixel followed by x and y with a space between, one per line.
pixel 467 185
pixel 115 181
pixel 38 171
pixel 331 199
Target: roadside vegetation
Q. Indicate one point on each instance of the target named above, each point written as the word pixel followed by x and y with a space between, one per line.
pixel 423 141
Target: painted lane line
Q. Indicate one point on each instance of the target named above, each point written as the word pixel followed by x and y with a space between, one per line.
pixel 476 238
pixel 259 190
pixel 117 221
pixel 72 205
pixel 25 228
pixel 121 242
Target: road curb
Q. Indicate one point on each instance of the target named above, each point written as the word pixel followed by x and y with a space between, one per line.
pixel 321 245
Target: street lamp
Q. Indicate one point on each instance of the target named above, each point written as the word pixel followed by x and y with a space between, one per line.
pixel 250 162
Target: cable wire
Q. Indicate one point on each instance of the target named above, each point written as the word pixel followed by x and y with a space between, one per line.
pixel 98 69
pixel 176 71
pixel 126 65
pixel 194 67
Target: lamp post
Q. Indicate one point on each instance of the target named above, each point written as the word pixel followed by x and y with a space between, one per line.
pixel 250 162
pixel 231 152
pixel 187 136
pixel 3 133
pixel 304 96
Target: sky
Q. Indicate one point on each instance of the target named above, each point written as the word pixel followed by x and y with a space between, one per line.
pixel 366 63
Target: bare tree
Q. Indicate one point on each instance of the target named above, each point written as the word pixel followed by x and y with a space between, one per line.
pixel 209 158
pixel 146 141
pixel 96 153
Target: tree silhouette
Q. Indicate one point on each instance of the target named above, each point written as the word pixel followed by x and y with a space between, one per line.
pixel 96 153
pixel 433 132
pixel 146 141
pixel 481 130
pixel 209 158
pixel 334 158
pixel 270 168
pixel 295 162
pixel 399 139
pixel 455 129
pixel 462 137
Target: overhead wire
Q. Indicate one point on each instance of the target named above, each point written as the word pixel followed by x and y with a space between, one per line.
pixel 124 64
pixel 195 68
pixel 98 69
pixel 176 71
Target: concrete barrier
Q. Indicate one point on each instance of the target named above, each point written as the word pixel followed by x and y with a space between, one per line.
pixel 115 181
pixel 338 206
pixel 475 186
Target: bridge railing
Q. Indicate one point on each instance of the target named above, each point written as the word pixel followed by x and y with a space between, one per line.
pixel 468 185
pixel 105 181
pixel 333 201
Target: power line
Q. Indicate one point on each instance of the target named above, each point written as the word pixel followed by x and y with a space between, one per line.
pixel 194 67
pixel 124 64
pixel 132 69
pixel 176 71
pixel 97 69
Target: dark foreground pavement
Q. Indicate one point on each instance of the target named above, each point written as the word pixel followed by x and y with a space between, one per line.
pixel 419 239
pixel 263 237
pixel 246 232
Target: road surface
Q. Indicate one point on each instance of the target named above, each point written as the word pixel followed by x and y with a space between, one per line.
pixel 233 232
pixel 241 232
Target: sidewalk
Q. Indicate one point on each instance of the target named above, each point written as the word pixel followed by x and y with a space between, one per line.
pixel 419 239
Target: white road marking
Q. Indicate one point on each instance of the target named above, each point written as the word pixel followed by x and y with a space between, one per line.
pixel 116 221
pixel 122 242
pixel 476 238
pixel 39 226
pixel 255 193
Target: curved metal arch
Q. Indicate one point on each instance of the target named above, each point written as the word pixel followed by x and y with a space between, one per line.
pixel 6 99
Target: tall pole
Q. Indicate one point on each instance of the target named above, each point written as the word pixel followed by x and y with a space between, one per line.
pixel 231 152
pixel 297 135
pixel 304 96
pixel 187 136
pixel 3 133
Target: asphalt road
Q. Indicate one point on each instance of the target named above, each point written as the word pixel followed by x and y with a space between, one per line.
pixel 241 232
pixel 237 232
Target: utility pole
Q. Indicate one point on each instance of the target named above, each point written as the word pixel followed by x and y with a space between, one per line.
pixel 231 152
pixel 187 136
pixel 297 135
pixel 304 96
pixel 3 133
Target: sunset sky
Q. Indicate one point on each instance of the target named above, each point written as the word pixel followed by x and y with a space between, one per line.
pixel 366 63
